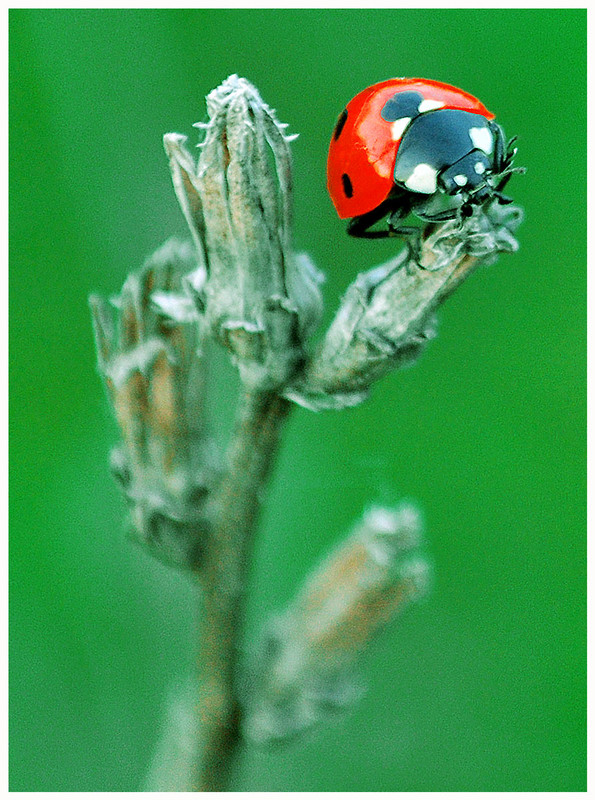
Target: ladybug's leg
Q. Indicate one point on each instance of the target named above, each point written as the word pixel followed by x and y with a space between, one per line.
pixel 504 154
pixel 411 234
pixel 511 150
pixel 360 226
pixel 398 205
pixel 501 197
pixel 508 169
pixel 500 153
pixel 441 216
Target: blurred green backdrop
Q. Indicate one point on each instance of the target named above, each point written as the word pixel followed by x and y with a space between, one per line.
pixel 482 687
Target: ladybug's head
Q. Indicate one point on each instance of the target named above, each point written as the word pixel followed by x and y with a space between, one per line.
pixel 469 176
pixel 473 179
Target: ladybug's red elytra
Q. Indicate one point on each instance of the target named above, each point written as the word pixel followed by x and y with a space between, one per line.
pixel 411 145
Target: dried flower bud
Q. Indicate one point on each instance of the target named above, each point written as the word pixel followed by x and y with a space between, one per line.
pixel 261 300
pixel 154 374
pixel 386 317
pixel 303 666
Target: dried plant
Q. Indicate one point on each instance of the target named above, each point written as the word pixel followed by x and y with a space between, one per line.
pixel 239 283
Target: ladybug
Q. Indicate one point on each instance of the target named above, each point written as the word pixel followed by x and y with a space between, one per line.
pixel 415 146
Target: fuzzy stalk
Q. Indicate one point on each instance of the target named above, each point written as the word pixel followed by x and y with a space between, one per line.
pixel 224 578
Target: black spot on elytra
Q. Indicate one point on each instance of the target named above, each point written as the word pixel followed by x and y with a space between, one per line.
pixel 347 187
pixel 401 104
pixel 340 124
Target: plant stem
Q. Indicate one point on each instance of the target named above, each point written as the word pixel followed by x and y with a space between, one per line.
pixel 224 576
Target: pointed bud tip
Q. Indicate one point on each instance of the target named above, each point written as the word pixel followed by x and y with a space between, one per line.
pixel 173 142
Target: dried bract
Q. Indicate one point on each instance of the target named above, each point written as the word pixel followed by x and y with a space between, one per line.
pixel 154 373
pixel 303 665
pixel 261 300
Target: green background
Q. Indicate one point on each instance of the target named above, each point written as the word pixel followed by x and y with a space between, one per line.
pixel 483 686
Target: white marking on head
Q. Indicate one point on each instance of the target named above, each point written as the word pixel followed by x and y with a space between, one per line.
pixel 480 167
pixel 460 180
pixel 429 105
pixel 482 139
pixel 423 179
pixel 398 128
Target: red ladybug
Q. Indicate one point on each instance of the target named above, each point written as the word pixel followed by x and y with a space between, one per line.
pixel 410 145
